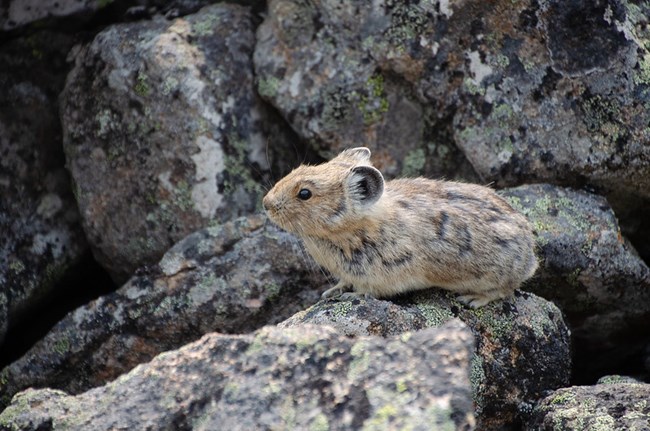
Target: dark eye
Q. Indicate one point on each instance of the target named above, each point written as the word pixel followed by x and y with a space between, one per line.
pixel 304 194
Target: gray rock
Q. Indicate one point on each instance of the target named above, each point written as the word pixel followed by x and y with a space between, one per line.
pixel 589 270
pixel 618 406
pixel 528 91
pixel 522 344
pixel 40 230
pixel 345 75
pixel 553 99
pixel 163 132
pixel 290 378
pixel 235 277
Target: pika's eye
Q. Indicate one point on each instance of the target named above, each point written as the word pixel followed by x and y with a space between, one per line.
pixel 304 194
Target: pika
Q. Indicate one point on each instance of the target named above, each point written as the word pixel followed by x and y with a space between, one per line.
pixel 382 238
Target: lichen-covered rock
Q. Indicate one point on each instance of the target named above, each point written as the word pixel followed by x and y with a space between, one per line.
pixel 344 74
pixel 230 278
pixel 163 132
pixel 557 91
pixel 522 343
pixel 603 407
pixel 531 91
pixel 531 95
pixel 278 378
pixel 589 270
pixel 40 229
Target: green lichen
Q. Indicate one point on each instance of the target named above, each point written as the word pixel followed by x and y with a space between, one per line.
pixel 472 88
pixel 319 423
pixel 16 266
pixel 170 84
pixel 273 290
pixel 498 324
pixel 434 314
pixel 373 102
pixel 476 379
pixel 501 61
pixel 101 4
pixel 563 398
pixel 205 25
pixel 141 86
pixel 414 162
pixel 238 173
pixel 183 196
pixel 642 74
pixel 268 87
pixel 105 121
pixel 62 346
pixel 360 362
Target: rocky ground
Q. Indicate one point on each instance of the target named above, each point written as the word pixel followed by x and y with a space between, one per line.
pixel 141 287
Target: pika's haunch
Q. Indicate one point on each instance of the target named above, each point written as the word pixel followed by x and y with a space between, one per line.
pixel 383 238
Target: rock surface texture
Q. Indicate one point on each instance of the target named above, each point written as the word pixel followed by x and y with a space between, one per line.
pixel 534 91
pixel 617 406
pixel 163 132
pixel 589 270
pixel 216 279
pixel 276 378
pixel 522 344
pixel 40 229
pixel 139 136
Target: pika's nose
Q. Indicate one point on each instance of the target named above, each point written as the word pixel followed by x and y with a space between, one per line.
pixel 266 203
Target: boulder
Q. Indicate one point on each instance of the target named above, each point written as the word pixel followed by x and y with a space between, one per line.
pixel 614 406
pixel 234 277
pixel 522 344
pixel 163 132
pixel 590 271
pixel 347 75
pixel 530 91
pixel 277 378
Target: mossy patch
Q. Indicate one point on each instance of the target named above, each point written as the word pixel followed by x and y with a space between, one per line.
pixel 373 102
pixel 414 162
pixel 268 87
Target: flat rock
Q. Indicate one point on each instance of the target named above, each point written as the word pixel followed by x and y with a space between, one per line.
pixel 522 344
pixel 235 277
pixel 277 378
pixel 616 406
pixel 163 132
pixel 589 270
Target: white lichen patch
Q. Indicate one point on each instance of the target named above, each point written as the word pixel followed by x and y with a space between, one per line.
pixel 294 83
pixel 479 69
pixel 55 241
pixel 49 205
pixel 445 8
pixel 208 161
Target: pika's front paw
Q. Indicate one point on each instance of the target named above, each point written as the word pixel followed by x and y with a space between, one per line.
pixel 474 301
pixel 336 291
pixel 349 296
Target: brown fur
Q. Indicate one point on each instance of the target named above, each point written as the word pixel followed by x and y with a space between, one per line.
pixel 414 234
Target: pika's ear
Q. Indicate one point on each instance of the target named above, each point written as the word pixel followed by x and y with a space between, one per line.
pixel 359 154
pixel 366 184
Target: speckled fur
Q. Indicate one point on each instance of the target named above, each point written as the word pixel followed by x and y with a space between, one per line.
pixel 415 233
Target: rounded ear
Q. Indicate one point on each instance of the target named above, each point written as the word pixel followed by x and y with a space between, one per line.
pixel 366 184
pixel 359 154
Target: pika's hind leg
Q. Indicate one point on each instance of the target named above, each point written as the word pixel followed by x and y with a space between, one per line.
pixel 338 290
pixel 476 300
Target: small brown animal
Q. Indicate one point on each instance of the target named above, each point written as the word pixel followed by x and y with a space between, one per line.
pixel 384 238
